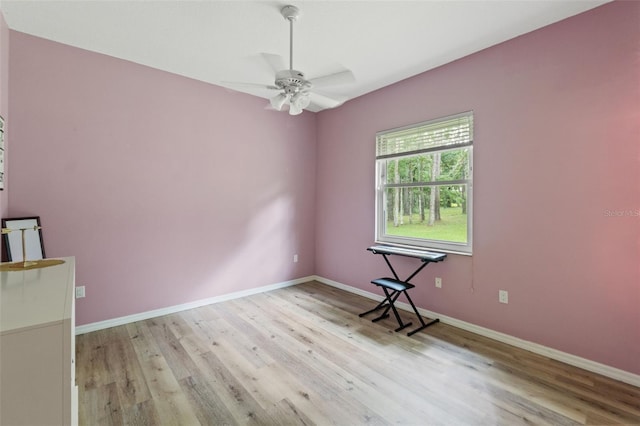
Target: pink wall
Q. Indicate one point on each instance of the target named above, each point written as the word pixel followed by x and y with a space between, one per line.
pixel 4 107
pixel 167 190
pixel 556 154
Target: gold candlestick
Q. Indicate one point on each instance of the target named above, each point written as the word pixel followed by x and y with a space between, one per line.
pixel 25 264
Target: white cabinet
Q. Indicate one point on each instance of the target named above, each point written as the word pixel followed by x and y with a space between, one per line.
pixel 37 346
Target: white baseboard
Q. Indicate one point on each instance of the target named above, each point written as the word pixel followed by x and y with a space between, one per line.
pixel 576 361
pixel 87 328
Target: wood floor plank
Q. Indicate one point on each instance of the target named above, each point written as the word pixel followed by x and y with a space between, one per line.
pixel 302 356
pixel 170 402
pixel 207 405
pixel 286 413
pixel 91 362
pixel 170 347
pixel 122 363
pixel 101 406
pixel 141 414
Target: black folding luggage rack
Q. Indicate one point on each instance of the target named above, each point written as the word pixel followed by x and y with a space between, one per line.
pixel 394 287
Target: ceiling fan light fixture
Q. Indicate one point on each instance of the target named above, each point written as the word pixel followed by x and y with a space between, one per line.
pixel 278 101
pixel 294 109
pixel 301 100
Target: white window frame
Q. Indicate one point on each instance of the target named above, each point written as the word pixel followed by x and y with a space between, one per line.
pixel 384 152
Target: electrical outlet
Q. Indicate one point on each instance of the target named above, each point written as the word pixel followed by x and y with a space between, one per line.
pixel 80 292
pixel 503 296
pixel 438 282
pixel 295 258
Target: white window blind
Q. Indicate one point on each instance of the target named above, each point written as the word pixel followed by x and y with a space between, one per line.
pixel 454 131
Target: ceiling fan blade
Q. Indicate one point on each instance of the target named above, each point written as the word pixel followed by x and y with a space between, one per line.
pixel 240 85
pixel 275 61
pixel 326 102
pixel 342 77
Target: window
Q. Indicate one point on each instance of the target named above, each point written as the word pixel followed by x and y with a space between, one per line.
pixel 424 184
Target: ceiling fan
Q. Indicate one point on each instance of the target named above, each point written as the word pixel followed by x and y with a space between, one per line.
pixel 295 90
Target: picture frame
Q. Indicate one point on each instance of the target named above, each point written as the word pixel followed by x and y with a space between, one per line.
pixel 34 243
pixel 2 176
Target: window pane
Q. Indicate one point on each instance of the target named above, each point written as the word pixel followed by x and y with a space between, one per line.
pixel 409 169
pixel 438 166
pixel 453 165
pixel 427 212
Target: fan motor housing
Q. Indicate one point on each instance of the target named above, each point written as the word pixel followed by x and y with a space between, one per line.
pixel 292 81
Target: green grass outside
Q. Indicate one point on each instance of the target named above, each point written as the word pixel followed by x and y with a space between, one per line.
pixel 452 226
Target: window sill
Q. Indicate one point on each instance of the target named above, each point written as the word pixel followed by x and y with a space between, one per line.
pixel 422 248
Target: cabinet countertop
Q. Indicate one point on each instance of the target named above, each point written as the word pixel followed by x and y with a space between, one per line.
pixel 36 297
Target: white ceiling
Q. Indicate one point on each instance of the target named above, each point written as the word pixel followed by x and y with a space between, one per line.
pixel 382 42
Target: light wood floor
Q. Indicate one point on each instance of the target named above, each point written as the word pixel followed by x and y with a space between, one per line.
pixel 301 355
